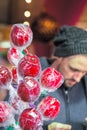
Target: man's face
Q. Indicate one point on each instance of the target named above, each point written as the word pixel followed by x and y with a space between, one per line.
pixel 73 68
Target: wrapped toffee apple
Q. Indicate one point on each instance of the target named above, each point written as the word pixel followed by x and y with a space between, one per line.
pixel 21 36
pixel 29 90
pixel 14 55
pixel 29 65
pixel 51 79
pixel 15 101
pixel 6 114
pixel 5 77
pixel 30 119
pixel 49 107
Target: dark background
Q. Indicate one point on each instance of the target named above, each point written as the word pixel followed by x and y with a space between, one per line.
pixel 72 12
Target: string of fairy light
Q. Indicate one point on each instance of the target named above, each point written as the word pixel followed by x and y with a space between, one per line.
pixel 27 13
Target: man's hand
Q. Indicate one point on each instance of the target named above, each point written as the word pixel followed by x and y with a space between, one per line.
pixel 59 126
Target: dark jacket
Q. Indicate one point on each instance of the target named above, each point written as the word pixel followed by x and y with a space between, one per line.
pixel 73 102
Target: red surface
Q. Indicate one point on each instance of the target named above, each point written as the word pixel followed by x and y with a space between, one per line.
pixel 29 90
pixel 5 77
pixel 65 11
pixel 30 119
pixel 49 107
pixel 51 79
pixel 21 35
pixel 29 65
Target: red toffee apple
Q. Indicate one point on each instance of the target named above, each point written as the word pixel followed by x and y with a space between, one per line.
pixel 14 75
pixel 5 77
pixel 51 79
pixel 21 35
pixel 30 119
pixel 14 55
pixel 29 65
pixel 29 90
pixel 5 111
pixel 49 107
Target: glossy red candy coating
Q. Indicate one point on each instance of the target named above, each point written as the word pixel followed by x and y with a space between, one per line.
pixel 30 119
pixel 51 79
pixel 49 107
pixel 5 111
pixel 14 75
pixel 29 90
pixel 5 77
pixel 21 35
pixel 14 56
pixel 29 65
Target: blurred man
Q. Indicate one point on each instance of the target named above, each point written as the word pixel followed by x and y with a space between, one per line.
pixel 70 59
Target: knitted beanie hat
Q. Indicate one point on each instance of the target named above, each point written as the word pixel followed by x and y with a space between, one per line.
pixel 70 40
